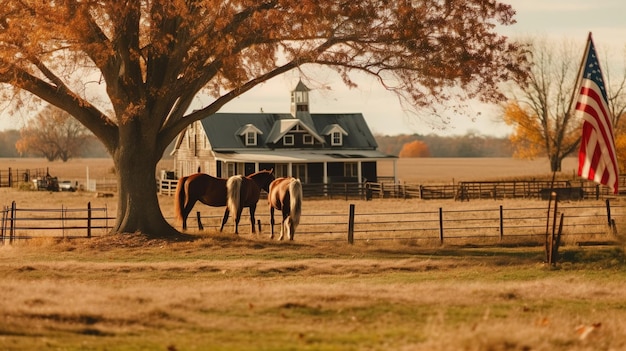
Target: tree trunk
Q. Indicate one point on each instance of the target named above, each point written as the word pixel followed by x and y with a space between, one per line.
pixel 555 163
pixel 138 208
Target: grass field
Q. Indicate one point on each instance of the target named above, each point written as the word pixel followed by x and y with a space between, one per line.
pixel 411 170
pixel 221 292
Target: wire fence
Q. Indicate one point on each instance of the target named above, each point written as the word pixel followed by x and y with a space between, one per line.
pixel 584 222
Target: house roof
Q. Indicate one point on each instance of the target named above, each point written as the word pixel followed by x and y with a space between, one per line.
pixel 221 129
pixel 301 156
pixel 283 126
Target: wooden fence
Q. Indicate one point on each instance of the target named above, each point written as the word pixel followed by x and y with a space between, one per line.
pixel 19 223
pixel 584 222
pixel 11 176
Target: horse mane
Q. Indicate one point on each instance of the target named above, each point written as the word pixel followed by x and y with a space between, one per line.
pixel 233 189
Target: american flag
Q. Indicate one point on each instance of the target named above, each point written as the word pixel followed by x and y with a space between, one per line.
pixel 597 159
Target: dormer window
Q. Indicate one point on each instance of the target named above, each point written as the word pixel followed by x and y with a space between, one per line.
pixel 250 134
pixel 250 138
pixel 288 140
pixel 336 133
pixel 307 139
pixel 336 139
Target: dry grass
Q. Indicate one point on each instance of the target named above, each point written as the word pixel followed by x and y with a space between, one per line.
pixel 221 292
pixel 226 293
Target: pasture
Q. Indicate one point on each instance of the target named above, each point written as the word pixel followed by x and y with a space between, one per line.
pixel 226 292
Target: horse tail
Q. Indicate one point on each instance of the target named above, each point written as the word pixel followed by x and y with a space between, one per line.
pixel 295 192
pixel 233 193
pixel 179 198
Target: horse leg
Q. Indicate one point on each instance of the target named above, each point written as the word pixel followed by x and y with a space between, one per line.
pixel 282 225
pixel 226 213
pixel 186 210
pixel 252 219
pixel 289 227
pixel 237 219
pixel 272 222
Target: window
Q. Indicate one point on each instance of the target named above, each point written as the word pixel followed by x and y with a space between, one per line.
pixel 336 138
pixel 250 138
pixel 307 139
pixel 231 169
pixel 288 140
pixel 350 170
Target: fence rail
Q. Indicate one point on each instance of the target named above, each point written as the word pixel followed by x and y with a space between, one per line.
pixel 462 191
pixel 19 223
pixel 12 176
pixel 583 222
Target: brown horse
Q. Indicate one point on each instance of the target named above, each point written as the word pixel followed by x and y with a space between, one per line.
pixel 245 192
pixel 207 189
pixel 286 195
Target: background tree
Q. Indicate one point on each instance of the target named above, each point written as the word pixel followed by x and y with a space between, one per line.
pixel 53 134
pixel 540 107
pixel 153 57
pixel 620 143
pixel 415 149
pixel 8 138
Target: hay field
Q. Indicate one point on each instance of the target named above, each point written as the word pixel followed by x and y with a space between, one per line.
pixel 416 170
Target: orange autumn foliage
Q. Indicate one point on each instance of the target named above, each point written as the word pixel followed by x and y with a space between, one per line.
pixel 415 149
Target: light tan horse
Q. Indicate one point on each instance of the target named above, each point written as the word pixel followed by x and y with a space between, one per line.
pixel 285 194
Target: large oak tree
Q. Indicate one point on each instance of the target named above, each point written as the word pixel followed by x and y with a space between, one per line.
pixel 155 56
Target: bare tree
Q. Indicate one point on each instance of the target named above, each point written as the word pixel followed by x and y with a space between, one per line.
pixel 540 107
pixel 53 134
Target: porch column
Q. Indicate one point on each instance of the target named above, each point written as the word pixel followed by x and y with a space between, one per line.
pixel 325 172
pixel 290 169
pixel 359 174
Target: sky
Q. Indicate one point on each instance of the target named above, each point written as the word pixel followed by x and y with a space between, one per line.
pixel 554 19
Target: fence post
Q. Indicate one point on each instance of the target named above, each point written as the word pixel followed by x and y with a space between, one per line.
pixel 5 211
pixel 89 219
pixel 501 223
pixel 200 227
pixel 12 219
pixel 608 211
pixel 10 185
pixel 351 225
pixel 440 225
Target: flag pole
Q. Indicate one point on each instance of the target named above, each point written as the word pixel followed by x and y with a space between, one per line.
pixel 572 101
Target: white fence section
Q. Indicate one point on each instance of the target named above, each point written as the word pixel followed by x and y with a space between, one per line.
pixel 167 186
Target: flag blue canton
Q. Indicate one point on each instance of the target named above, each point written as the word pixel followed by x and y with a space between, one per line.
pixel 592 70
